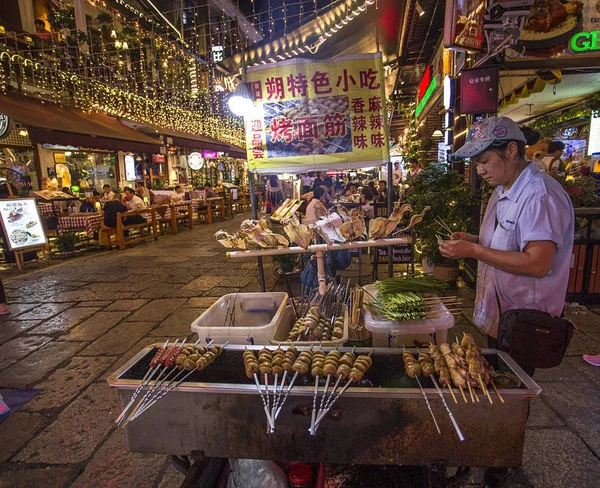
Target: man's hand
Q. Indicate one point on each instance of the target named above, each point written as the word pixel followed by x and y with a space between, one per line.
pixel 457 249
pixel 464 236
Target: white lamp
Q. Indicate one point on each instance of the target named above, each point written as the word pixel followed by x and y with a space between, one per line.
pixel 420 9
pixel 437 133
pixel 240 103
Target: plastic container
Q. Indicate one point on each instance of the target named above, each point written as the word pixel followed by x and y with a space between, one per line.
pixel 388 333
pixel 282 330
pixel 254 315
pixel 300 476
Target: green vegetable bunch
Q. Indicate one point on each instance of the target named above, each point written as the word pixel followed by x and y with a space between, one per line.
pixel 399 306
pixel 418 283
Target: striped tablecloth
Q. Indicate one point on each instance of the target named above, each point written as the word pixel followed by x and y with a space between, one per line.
pixel 88 223
pixel 46 210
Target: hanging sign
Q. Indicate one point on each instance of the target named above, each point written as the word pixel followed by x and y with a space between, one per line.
pixel 217 54
pixel 22 224
pixel 326 113
pixel 5 126
pixel 463 26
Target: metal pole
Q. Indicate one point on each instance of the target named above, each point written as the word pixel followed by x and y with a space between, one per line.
pixel 261 271
pixel 390 207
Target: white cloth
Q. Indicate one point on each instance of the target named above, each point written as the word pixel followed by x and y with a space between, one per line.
pixel 177 197
pixel 536 208
pixel 136 203
pixel 550 162
pixel 397 177
pixel 369 210
pixel 107 197
pixel 306 180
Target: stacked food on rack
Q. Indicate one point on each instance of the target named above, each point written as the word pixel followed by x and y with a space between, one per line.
pixel 336 225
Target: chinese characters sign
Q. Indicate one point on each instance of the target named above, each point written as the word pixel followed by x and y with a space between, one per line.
pixel 22 224
pixel 328 113
pixel 479 90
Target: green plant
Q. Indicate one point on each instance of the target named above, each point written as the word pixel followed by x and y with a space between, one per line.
pixel 450 199
pixel 62 19
pixel 104 18
pixel 66 241
pixel 581 190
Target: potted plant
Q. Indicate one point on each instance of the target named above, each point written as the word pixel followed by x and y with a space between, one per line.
pixel 452 203
pixel 286 262
pixel 65 242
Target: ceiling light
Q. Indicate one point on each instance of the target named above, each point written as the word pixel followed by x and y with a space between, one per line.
pixel 420 10
pixel 23 133
pixel 437 133
pixel 240 103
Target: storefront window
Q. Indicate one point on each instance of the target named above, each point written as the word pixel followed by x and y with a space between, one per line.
pixel 92 170
pixel 19 168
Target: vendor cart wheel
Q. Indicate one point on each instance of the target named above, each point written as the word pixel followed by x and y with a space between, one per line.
pixel 181 463
pixel 204 474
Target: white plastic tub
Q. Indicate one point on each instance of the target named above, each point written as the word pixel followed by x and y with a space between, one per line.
pixel 387 333
pixel 241 318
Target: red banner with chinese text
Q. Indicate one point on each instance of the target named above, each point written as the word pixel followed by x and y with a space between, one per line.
pixel 308 114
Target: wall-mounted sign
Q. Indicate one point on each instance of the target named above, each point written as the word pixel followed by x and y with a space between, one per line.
pixel 130 167
pixel 22 224
pixel 217 54
pixel 424 84
pixel 158 158
pixel 5 126
pixel 463 26
pixel 594 140
pixel 210 154
pixel 195 161
pixel 479 91
pixel 427 96
pixel 59 158
pixel 586 41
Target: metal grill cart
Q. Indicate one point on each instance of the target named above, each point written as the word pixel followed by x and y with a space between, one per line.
pixel 217 413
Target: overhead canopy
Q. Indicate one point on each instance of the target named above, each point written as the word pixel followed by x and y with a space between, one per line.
pixel 48 123
pixel 191 141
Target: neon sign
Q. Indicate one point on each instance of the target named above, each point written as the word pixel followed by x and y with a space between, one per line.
pixel 586 41
pixel 430 89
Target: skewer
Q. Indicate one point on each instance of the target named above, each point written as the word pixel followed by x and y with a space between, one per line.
pixel 470 392
pixel 462 392
pixel 485 390
pixel 259 388
pixel 452 419
pixel 286 394
pixel 337 383
pixel 453 395
pixel 323 414
pixel 267 390
pixel 497 392
pixel 314 410
pixel 145 380
pixel 428 406
pixel 278 395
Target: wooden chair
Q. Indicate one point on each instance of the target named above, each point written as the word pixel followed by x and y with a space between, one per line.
pixel 181 212
pixel 150 225
pixel 162 219
pixel 218 207
pixel 205 213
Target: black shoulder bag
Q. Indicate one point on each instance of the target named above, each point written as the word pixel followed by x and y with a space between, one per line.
pixel 533 338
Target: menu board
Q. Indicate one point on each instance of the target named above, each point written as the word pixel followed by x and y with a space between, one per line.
pixel 22 224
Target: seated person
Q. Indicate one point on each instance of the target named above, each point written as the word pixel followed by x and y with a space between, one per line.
pixel 350 190
pixel 87 206
pixel 142 191
pixel 132 201
pixel 366 196
pixel 208 191
pixel 107 193
pixel 177 195
pixel 111 209
pixel 315 207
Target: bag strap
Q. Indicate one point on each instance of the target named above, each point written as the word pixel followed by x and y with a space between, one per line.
pixel 495 290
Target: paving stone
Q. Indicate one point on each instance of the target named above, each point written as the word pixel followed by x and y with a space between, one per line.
pixel 559 459
pixel 113 465
pixel 223 290
pixel 94 327
pixel 181 279
pixel 563 372
pixel 119 286
pixel 28 478
pixel 183 294
pixel 161 290
pixel 127 305
pixel 77 431
pixel 119 339
pixel 17 309
pixel 585 322
pixel 582 344
pixel 204 283
pixel 541 415
pixel 45 311
pixel 38 364
pixel 589 371
pixel 95 303
pixel 16 431
pixel 178 324
pixel 64 321
pixel 171 478
pixel 201 302
pixel 66 383
pixel 17 349
pixel 10 329
pixel 566 394
pixel 584 421
pixel 156 310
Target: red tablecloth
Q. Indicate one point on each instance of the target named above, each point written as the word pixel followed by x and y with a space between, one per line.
pixel 88 223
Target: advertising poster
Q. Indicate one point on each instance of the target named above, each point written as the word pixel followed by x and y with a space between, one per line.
pixel 463 26
pixel 22 224
pixel 317 113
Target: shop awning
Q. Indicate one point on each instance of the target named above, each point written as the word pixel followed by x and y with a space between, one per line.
pixel 48 123
pixel 194 141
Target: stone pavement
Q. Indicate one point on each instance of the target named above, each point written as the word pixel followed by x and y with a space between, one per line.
pixel 73 324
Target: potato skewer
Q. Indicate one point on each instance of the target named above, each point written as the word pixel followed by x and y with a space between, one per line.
pixel 318 361
pixel 252 370
pixel 414 370
pixel 301 365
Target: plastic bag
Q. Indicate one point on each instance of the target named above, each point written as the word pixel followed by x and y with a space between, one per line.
pixel 255 473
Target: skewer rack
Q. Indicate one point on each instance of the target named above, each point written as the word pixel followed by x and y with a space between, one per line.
pixel 319 250
pixel 383 420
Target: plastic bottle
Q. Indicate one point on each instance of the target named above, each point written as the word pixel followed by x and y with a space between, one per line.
pixel 300 476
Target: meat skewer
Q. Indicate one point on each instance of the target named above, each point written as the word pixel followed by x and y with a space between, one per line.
pixel 428 369
pixel 206 360
pixel 458 376
pixel 441 368
pixel 153 368
pixel 414 370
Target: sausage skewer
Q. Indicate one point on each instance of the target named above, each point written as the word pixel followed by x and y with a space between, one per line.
pixel 300 366
pixel 145 380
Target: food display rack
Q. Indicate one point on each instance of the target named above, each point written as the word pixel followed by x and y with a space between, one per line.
pixel 384 420
pixel 319 250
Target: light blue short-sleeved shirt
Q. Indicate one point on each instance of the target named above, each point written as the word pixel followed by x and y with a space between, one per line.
pixel 536 208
